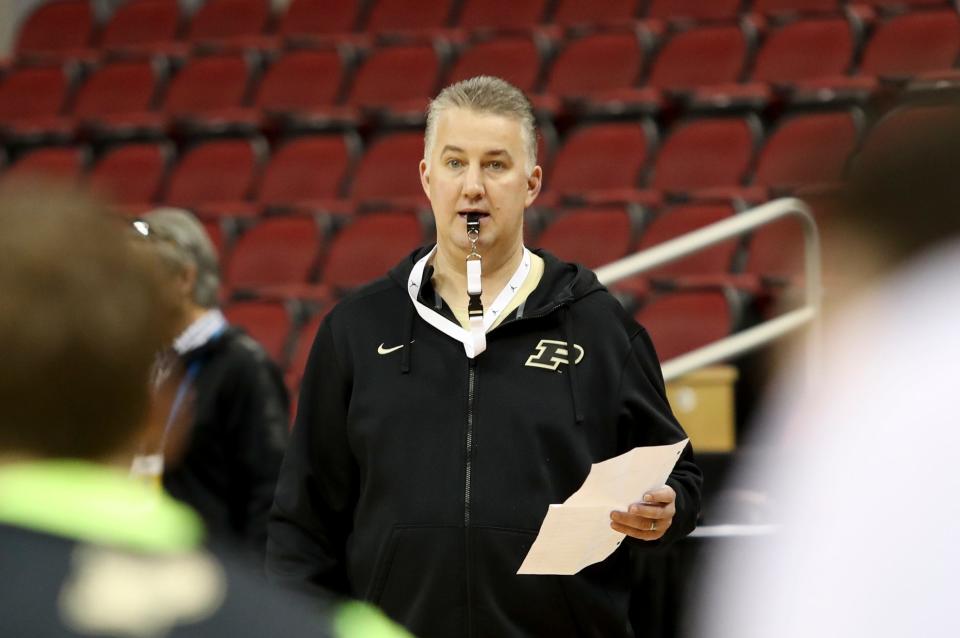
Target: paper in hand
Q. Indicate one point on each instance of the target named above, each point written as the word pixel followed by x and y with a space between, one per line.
pixel 578 533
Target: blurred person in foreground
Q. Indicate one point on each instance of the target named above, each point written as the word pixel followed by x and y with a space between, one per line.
pixel 85 549
pixel 428 446
pixel 863 474
pixel 224 437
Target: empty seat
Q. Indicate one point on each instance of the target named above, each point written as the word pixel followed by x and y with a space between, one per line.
pixel 896 128
pixel 401 79
pixel 693 9
pixel 710 265
pixel 368 247
pixel 317 19
pixel 600 162
pixel 408 15
pixel 706 157
pixel 591 237
pixel 913 43
pixel 56 30
pixel 516 59
pixel 131 175
pixel 576 12
pixel 306 174
pixel 118 97
pixel 683 321
pixel 387 174
pixel 275 257
pixel 215 178
pixel 268 322
pixel 807 149
pixel 596 64
pixel 773 7
pixel 501 14
pixel 827 45
pixel 283 91
pixel 58 163
pixel 231 24
pixel 210 90
pixel 144 27
pixel 775 254
pixel 700 57
pixel 31 101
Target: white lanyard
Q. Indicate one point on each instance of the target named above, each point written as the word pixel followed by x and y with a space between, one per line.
pixel 451 329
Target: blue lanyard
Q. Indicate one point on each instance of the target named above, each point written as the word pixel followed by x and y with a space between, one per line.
pixel 181 395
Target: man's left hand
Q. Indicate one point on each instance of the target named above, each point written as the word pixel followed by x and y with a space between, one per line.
pixel 650 518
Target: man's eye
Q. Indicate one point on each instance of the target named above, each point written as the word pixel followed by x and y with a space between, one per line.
pixel 495 165
pixel 454 163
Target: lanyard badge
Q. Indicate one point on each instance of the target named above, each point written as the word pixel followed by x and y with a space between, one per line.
pixel 475 286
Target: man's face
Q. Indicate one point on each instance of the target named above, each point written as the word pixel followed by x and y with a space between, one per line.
pixel 478 164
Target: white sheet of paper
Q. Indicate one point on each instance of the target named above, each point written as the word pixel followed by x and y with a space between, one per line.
pixel 577 533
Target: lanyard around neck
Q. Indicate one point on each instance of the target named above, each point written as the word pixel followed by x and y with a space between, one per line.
pixel 490 316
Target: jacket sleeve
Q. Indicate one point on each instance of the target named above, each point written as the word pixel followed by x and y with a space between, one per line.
pixel 258 421
pixel 646 419
pixel 313 508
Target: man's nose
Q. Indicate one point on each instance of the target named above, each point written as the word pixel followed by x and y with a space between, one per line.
pixel 473 183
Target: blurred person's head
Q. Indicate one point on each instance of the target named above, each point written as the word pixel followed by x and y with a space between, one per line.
pixel 189 255
pixel 480 156
pixel 83 311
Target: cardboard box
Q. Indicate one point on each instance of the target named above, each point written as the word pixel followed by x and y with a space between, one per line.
pixel 703 403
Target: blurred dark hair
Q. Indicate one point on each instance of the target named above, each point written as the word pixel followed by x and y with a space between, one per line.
pixel 83 311
pixel 905 192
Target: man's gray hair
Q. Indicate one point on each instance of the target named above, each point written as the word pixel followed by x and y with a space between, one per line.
pixel 485 94
pixel 190 245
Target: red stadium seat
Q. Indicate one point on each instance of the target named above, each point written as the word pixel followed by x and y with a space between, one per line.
pixel 399 79
pixel 31 102
pixel 57 30
pixel 600 162
pixel 708 266
pixel 232 25
pixel 60 163
pixel 144 27
pixel 214 230
pixel 387 175
pixel 119 97
pixel 516 59
pixel 705 158
pixel 601 66
pixel 391 16
pixel 316 20
pixel 774 7
pixel 570 13
pixel 268 322
pixel 368 247
pixel 131 175
pixel 900 4
pixel 277 257
pixel 306 174
pixel 896 128
pixel 215 178
pixel 776 253
pixel 693 9
pixel 913 43
pixel 283 92
pixel 505 15
pixel 683 321
pixel 591 237
pixel 808 149
pixel 209 92
pixel 827 44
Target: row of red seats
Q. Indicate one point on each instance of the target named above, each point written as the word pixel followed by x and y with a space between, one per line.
pixel 804 61
pixel 69 28
pixel 603 162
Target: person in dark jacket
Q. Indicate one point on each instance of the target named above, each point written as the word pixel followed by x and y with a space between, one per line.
pixel 232 420
pixel 84 549
pixel 429 443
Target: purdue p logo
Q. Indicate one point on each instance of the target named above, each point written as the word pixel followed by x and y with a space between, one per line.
pixel 551 353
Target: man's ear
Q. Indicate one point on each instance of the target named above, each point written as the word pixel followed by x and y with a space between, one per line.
pixel 425 177
pixel 188 280
pixel 534 182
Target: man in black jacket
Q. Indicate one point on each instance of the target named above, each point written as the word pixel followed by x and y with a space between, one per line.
pixel 445 406
pixel 233 417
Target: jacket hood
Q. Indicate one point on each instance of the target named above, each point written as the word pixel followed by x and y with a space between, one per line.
pixel 562 283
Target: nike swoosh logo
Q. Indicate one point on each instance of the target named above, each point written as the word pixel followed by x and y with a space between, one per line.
pixel 382 350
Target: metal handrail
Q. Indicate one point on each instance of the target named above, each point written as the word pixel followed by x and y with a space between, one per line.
pixel 759 335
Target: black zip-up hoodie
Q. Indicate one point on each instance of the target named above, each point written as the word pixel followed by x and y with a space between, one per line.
pixel 417 478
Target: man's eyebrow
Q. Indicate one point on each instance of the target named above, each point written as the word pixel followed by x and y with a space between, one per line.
pixel 498 151
pixel 448 147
